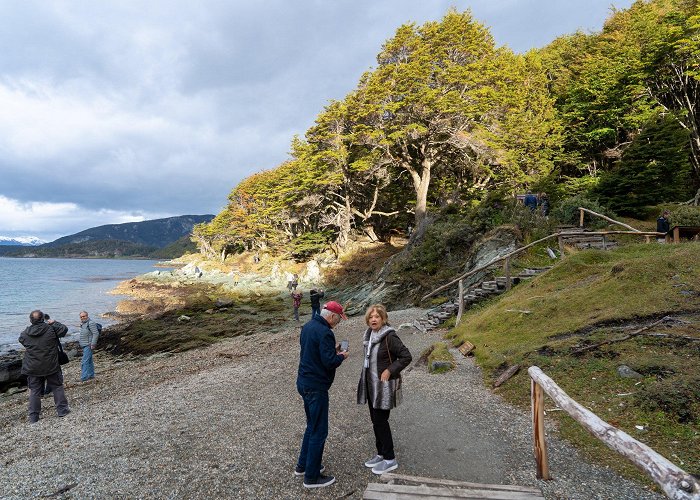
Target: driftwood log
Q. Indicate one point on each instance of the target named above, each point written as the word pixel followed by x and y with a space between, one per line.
pixel 621 339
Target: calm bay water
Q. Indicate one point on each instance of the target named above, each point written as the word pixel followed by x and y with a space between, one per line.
pixel 61 288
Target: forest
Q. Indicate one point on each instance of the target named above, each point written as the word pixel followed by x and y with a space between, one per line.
pixel 448 122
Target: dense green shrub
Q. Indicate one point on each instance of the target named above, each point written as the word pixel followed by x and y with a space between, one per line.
pixel 567 210
pixel 685 215
pixel 653 169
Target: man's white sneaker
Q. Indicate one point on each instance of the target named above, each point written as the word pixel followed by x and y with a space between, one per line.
pixel 385 466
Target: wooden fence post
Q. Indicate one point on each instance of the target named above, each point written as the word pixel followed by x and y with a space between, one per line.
pixel 581 218
pixel 537 397
pixel 461 302
pixel 605 246
pixel 561 245
pixel 506 269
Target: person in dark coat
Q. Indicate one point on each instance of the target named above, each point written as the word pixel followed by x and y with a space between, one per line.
pixel 315 296
pixel 530 201
pixel 318 360
pixel 380 383
pixel 663 225
pixel 40 363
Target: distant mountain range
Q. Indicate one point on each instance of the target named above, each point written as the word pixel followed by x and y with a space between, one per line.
pixel 22 241
pixel 158 238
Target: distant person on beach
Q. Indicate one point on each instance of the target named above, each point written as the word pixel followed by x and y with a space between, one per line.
pixel 290 278
pixel 295 281
pixel 88 341
pixel 315 296
pixel 380 383
pixel 318 360
pixel 40 363
pixel 296 302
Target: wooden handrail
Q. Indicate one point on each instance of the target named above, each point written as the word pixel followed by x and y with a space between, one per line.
pixel 486 266
pixel 674 481
pixel 606 218
pixel 562 234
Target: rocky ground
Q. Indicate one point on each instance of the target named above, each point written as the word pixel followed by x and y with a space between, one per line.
pixel 226 422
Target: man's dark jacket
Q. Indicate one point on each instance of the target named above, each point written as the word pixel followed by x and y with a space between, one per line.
pixel 315 298
pixel 318 359
pixel 41 344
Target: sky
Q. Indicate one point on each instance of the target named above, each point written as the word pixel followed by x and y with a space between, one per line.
pixel 121 111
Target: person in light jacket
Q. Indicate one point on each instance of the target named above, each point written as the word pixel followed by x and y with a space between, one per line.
pixel 40 363
pixel 89 334
pixel 380 383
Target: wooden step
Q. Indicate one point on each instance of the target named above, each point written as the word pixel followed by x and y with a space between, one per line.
pixel 429 488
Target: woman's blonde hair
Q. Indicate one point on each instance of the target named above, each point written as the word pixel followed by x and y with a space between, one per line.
pixel 381 310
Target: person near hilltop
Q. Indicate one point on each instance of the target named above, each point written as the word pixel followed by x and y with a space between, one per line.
pixel 296 302
pixel 295 281
pixel 315 296
pixel 318 360
pixel 89 333
pixel 663 225
pixel 40 363
pixel 380 383
pixel 530 201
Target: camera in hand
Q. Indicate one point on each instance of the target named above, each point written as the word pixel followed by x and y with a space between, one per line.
pixel 344 344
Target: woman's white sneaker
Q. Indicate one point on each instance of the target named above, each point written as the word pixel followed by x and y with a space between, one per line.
pixel 385 466
pixel 376 459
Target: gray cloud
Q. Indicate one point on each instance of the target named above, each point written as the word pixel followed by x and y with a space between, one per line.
pixel 135 109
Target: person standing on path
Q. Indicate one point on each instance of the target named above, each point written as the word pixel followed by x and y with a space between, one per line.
pixel 318 361
pixel 40 363
pixel 380 383
pixel 315 296
pixel 296 300
pixel 89 333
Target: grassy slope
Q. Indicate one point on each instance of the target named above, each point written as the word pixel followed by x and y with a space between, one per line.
pixel 585 299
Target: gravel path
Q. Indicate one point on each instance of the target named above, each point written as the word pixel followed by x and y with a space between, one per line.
pixel 226 422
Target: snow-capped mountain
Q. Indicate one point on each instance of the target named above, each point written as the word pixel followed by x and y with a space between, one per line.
pixel 25 241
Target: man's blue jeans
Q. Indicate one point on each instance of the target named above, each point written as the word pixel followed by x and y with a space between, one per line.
pixel 315 311
pixel 316 409
pixel 87 367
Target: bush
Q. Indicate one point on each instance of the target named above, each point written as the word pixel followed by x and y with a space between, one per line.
pixel 567 210
pixel 678 397
pixel 685 215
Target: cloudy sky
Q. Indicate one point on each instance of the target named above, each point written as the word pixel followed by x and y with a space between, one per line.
pixel 118 111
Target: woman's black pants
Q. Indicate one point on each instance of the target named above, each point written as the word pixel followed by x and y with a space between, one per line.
pixel 382 432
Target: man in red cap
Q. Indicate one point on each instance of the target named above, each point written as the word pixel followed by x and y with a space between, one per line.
pixel 318 360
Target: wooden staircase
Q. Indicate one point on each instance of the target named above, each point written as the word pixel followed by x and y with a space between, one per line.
pixel 399 486
pixel 475 293
pixel 577 238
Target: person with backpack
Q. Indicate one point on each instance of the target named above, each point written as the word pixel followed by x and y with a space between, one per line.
pixel 41 364
pixel 89 333
pixel 315 296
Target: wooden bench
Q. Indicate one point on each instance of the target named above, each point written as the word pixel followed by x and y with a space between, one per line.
pixel 679 232
pixel 424 488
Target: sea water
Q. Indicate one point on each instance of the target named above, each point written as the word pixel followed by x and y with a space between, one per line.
pixel 62 288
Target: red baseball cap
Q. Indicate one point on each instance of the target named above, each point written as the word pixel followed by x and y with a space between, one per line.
pixel 334 307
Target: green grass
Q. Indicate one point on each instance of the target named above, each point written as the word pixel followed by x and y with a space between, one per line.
pixel 439 352
pixel 589 297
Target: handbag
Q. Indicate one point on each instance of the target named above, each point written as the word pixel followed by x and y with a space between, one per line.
pixel 62 356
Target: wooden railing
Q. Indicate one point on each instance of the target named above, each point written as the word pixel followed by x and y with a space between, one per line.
pixel 506 259
pixel 613 221
pixel 674 481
